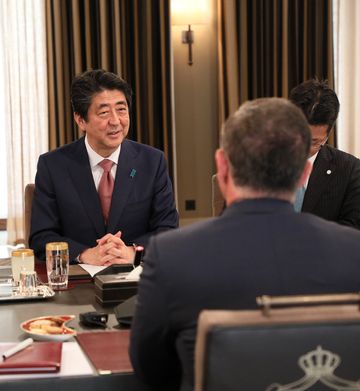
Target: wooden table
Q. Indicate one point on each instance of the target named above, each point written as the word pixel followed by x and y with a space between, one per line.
pixel 73 301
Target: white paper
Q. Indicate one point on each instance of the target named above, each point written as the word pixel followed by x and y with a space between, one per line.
pixel 73 363
pixel 134 275
pixel 92 269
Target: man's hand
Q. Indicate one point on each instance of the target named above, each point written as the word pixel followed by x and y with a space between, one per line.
pixel 113 250
pixel 91 256
pixel 110 250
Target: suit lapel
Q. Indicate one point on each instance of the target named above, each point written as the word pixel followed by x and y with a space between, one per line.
pixel 124 182
pixel 80 173
pixel 319 179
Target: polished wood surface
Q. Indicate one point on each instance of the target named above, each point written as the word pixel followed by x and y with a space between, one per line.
pixel 78 298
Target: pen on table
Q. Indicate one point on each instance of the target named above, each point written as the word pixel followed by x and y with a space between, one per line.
pixel 17 348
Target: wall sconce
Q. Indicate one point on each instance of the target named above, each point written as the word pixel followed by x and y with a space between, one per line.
pixel 189 12
pixel 187 36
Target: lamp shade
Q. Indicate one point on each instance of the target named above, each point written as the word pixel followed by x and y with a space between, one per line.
pixel 184 12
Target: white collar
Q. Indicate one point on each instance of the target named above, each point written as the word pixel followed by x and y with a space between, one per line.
pixel 313 157
pixel 311 160
pixel 95 158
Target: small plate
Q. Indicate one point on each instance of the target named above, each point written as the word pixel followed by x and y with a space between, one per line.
pixel 49 328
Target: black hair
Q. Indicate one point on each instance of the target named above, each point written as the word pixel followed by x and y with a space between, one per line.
pixel 90 83
pixel 318 102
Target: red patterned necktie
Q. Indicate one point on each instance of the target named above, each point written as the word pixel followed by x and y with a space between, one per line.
pixel 106 186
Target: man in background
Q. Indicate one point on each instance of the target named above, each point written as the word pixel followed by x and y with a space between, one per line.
pixel 333 190
pixel 258 246
pixel 102 193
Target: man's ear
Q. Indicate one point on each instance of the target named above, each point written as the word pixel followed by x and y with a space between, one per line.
pixel 80 121
pixel 222 166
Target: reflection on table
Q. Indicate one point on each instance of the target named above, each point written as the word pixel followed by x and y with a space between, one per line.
pixel 78 298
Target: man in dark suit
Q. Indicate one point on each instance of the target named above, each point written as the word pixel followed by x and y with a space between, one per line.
pixel 259 245
pixel 66 205
pixel 333 190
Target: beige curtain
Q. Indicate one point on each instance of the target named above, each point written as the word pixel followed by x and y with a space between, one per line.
pixel 347 82
pixel 23 32
pixel 128 37
pixel 266 47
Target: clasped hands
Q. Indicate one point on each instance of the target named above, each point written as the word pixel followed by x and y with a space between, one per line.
pixel 110 249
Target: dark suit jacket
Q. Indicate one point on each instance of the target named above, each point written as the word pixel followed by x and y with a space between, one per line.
pixel 255 247
pixel 333 190
pixel 66 205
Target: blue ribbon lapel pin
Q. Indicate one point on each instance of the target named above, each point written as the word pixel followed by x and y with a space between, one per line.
pixel 132 173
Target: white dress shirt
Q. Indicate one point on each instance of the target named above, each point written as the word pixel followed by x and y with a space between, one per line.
pixel 95 159
pixel 311 160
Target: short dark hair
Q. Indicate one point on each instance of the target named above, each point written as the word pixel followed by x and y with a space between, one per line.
pixel 90 83
pixel 318 102
pixel 267 142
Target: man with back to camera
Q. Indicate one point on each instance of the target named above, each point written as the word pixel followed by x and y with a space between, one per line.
pixel 258 246
pixel 333 190
pixel 135 197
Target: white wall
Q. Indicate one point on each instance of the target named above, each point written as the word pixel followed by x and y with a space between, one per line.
pixel 196 120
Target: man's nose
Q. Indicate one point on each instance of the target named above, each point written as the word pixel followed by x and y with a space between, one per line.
pixel 114 118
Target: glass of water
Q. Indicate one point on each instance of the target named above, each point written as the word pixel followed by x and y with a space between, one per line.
pixel 27 283
pixel 57 264
pixel 22 259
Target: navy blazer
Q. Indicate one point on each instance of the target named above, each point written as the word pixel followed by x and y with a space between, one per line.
pixel 255 247
pixel 333 191
pixel 66 205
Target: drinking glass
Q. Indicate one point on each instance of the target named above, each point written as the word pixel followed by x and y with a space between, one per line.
pixel 57 264
pixel 27 284
pixel 22 259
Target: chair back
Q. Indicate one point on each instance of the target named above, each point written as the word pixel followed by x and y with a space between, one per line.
pixel 217 200
pixel 284 349
pixel 29 194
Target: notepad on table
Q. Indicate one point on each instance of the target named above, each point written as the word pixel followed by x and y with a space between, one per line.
pixel 40 357
pixel 107 350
